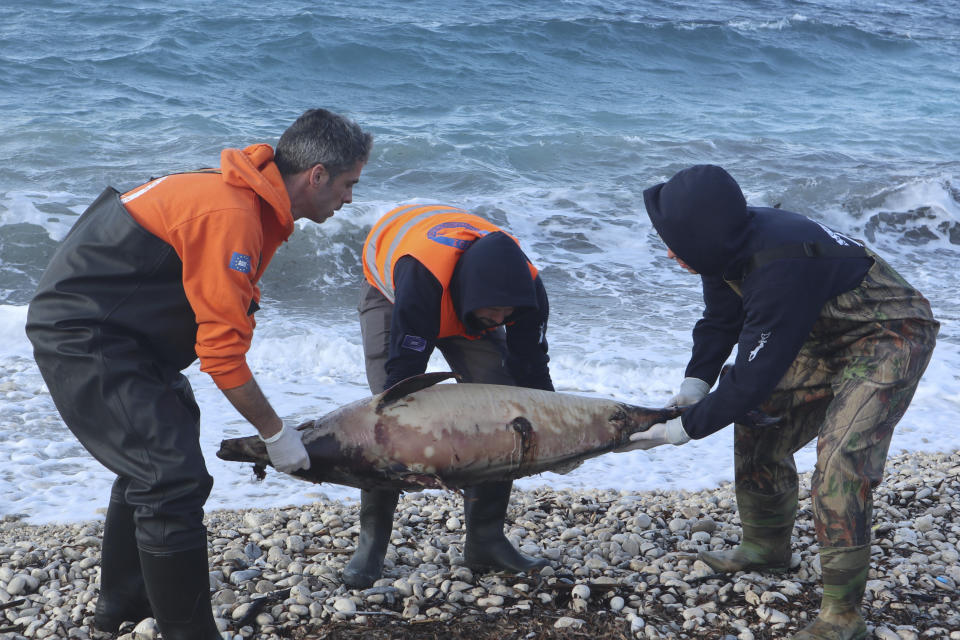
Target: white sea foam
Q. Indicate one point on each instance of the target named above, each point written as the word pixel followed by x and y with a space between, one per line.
pixel 621 330
pixel 777 25
pixel 21 207
pixel 926 204
pixel 310 369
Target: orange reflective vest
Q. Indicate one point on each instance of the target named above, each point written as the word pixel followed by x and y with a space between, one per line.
pixel 436 235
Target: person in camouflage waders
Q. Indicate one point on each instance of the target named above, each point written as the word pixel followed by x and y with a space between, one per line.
pixel 831 343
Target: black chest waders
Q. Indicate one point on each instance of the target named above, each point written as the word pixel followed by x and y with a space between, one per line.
pixel 111 329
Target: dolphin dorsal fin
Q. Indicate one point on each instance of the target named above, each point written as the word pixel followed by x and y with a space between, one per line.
pixel 410 385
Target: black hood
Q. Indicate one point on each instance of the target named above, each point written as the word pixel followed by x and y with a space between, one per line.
pixel 700 214
pixel 492 272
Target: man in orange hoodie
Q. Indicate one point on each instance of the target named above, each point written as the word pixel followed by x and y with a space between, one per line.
pixel 144 284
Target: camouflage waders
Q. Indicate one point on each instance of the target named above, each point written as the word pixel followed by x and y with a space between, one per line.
pixel 848 387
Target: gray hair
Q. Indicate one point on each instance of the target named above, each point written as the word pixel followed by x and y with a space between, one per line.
pixel 322 137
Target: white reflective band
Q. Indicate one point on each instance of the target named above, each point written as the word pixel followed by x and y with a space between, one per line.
pixel 397 239
pixel 140 192
pixel 385 284
pixel 370 254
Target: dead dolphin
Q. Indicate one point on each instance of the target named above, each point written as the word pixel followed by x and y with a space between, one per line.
pixel 420 434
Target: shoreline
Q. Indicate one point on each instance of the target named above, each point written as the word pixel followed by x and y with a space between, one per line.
pixel 623 565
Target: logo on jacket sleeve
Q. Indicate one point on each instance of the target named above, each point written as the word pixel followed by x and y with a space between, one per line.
pixel 414 343
pixel 240 262
pixel 839 238
pixel 760 345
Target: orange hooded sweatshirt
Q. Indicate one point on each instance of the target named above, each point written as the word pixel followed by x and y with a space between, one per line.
pixel 225 226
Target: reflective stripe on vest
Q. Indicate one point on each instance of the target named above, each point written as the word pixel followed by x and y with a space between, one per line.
pixel 436 235
pixel 393 228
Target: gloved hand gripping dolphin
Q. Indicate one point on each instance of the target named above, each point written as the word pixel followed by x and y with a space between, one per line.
pixel 420 434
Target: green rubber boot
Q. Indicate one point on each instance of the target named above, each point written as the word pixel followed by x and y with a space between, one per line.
pixel 844 581
pixel 765 544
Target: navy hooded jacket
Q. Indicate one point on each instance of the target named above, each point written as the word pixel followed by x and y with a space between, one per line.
pixel 492 272
pixel 702 216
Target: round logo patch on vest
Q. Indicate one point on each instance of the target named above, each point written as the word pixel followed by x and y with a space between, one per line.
pixel 440 234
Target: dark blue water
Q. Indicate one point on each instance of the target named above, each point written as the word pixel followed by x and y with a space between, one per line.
pixel 551 118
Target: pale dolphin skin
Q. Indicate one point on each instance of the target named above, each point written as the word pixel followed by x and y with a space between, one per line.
pixel 419 434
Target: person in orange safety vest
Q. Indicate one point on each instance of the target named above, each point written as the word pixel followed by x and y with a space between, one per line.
pixel 144 284
pixel 437 276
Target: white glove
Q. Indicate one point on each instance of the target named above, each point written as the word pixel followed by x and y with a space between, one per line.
pixel 692 391
pixel 286 450
pixel 670 432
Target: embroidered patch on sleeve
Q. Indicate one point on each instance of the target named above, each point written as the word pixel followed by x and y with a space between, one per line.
pixel 415 343
pixel 240 262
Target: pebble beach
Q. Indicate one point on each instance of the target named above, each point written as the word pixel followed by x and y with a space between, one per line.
pixel 624 565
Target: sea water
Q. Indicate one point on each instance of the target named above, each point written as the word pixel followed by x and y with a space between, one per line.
pixel 548 117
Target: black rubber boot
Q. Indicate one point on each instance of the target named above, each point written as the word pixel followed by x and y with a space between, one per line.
pixel 767 527
pixel 123 596
pixel 178 584
pixel 376 524
pixel 487 548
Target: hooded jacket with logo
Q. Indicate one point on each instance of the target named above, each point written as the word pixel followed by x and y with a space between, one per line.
pixel 198 300
pixel 702 216
pixel 492 272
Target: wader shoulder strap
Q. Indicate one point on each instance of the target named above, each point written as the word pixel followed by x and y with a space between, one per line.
pixel 802 250
pixel 180 173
